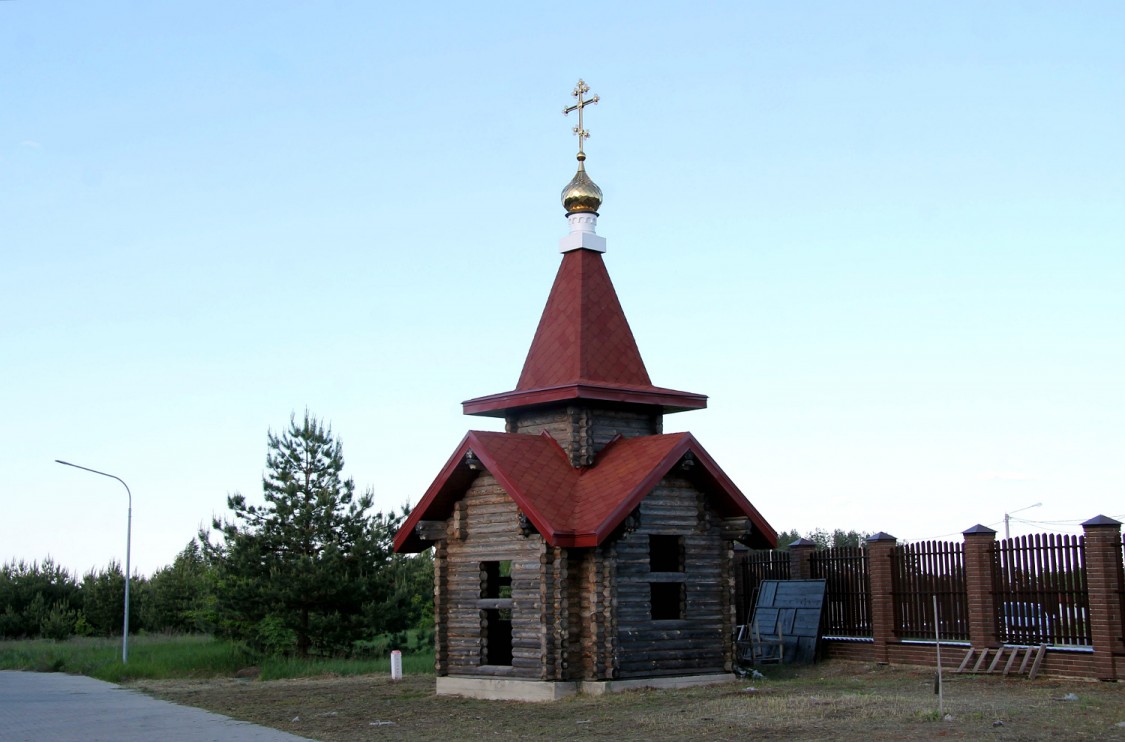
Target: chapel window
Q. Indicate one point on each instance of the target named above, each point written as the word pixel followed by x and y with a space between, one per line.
pixel 495 605
pixel 667 590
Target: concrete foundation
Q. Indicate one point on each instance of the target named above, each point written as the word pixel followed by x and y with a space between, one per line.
pixel 595 688
pixel 503 689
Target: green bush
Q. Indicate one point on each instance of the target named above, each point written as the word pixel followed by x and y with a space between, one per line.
pixel 407 642
pixel 29 591
pixel 103 600
pixel 272 637
pixel 375 648
pixel 181 597
pixel 59 622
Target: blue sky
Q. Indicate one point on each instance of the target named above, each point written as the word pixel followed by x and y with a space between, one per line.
pixel 887 239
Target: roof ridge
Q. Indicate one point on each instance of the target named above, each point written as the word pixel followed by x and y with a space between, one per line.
pixel 571 507
pixel 558 446
pixel 617 437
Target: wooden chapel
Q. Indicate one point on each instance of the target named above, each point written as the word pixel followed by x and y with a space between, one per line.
pixel 582 549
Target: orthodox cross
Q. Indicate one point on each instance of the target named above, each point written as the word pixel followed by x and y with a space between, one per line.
pixel 579 90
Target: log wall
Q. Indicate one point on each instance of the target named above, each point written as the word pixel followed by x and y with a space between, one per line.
pixel 485 528
pixel 585 614
pixel 698 641
pixel 605 425
pixel 441 609
pixel 593 622
pixel 556 607
pixel 583 432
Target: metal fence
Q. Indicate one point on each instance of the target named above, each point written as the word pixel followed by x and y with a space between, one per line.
pixel 1038 587
pixel 847 608
pixel 921 571
pixel 753 567
pixel 1041 594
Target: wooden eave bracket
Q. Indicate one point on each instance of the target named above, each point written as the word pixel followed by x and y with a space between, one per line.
pixel 525 525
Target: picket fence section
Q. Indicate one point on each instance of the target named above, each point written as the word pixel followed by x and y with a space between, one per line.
pixel 1062 595
pixel 756 566
pixel 1041 590
pixel 922 571
pixel 847 608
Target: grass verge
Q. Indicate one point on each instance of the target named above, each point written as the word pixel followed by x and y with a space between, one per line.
pixel 278 668
pixel 192 656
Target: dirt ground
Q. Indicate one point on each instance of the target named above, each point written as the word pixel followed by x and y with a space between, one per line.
pixel 829 701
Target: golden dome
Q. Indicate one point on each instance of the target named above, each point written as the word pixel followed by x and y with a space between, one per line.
pixel 581 194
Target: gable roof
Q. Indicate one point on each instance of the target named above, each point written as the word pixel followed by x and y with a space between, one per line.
pixel 577 507
pixel 583 349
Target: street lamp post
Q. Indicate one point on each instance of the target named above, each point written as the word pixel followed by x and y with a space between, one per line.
pixel 128 550
pixel 1007 517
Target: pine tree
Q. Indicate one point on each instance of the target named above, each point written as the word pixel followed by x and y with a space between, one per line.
pixel 297 572
pixel 103 600
pixel 181 596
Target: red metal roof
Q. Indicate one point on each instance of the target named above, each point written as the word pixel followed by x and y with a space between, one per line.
pixel 578 507
pixel 583 349
pixel 583 333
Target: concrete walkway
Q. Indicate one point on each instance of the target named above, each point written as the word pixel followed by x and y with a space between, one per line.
pixel 53 707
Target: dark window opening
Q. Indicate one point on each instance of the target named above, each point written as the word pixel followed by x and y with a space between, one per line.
pixel 497 636
pixel 496 579
pixel 665 553
pixel 666 559
pixel 496 612
pixel 667 600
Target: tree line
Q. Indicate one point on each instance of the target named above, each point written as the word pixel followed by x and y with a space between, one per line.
pixel 310 571
pixel 824 539
pixel 43 599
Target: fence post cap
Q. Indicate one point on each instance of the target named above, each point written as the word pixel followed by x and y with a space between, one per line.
pixel 802 542
pixel 1102 520
pixel 880 536
pixel 978 528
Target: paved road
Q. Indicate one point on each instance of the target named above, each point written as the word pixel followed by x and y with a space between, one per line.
pixel 53 707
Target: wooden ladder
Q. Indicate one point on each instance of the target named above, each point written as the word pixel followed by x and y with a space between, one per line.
pixel 1031 655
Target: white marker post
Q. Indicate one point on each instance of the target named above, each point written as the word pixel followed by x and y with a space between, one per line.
pixel 396 665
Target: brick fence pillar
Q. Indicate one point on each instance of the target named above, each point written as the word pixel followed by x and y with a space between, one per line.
pixel 1105 582
pixel 979 577
pixel 800 559
pixel 880 571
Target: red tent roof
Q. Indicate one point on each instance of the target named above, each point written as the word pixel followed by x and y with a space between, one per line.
pixel 577 507
pixel 583 349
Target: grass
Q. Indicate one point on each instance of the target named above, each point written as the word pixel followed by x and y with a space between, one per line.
pixel 166 657
pixel 278 668
pixel 338 700
pixel 828 701
pixel 149 657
